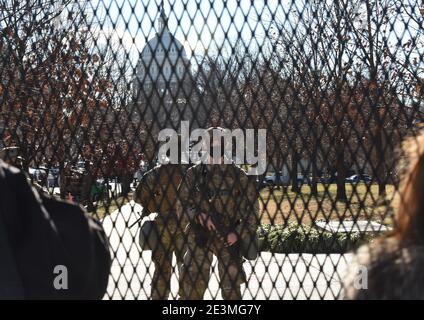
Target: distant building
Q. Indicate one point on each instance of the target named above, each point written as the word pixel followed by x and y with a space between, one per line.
pixel 163 64
pixel 164 90
pixel 162 85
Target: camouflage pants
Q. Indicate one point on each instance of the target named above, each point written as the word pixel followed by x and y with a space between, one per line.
pixel 195 272
pixel 172 241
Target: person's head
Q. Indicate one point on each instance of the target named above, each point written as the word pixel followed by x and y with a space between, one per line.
pixel 410 208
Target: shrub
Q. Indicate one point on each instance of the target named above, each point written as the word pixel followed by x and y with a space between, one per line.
pixel 295 238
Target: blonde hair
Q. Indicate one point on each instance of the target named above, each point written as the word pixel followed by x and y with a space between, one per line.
pixel 410 208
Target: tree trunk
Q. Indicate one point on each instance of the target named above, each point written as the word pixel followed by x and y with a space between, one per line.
pixel 381 174
pixel 314 180
pixel 341 175
pixel 125 184
pixel 294 184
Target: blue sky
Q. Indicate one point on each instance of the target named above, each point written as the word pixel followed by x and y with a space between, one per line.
pixel 201 25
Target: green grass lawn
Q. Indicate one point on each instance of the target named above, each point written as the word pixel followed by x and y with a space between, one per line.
pixel 279 205
pixel 106 207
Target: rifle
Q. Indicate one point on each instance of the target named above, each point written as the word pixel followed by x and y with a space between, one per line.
pixel 201 233
pixel 223 231
pixel 143 214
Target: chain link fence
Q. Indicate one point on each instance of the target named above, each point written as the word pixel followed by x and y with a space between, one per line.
pixel 87 87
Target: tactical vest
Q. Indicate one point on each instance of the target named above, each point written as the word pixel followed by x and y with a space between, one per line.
pixel 224 199
pixel 220 192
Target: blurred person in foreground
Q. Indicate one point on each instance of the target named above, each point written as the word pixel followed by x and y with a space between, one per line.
pixel 391 267
pixel 39 234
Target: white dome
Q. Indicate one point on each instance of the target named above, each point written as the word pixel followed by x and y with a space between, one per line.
pixel 161 46
pixel 163 61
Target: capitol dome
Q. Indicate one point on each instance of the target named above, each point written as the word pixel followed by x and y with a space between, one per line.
pixel 163 63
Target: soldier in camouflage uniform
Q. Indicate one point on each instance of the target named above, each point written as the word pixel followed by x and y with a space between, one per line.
pixel 157 192
pixel 211 193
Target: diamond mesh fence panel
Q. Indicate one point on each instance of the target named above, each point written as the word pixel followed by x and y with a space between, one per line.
pixel 312 99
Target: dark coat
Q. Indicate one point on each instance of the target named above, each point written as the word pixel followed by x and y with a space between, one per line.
pixel 43 233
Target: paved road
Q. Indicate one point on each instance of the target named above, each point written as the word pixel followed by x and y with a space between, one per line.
pixel 271 276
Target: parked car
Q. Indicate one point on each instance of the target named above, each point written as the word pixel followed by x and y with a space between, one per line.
pixel 276 179
pixel 303 179
pixel 366 178
pixel 356 178
pixel 327 179
pixel 39 175
pixel 352 179
pixel 51 180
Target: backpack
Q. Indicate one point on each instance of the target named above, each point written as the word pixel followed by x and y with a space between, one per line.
pixel 50 249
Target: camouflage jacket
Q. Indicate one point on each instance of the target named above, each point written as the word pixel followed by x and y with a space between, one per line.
pixel 157 190
pixel 224 190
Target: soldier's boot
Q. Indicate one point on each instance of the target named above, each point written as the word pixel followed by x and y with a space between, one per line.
pixel 231 279
pixel 232 292
pixel 195 274
pixel 161 282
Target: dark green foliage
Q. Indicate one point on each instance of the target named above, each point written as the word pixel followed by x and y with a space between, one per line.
pixel 295 238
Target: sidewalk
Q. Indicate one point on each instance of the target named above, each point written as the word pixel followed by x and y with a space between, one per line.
pixel 271 276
